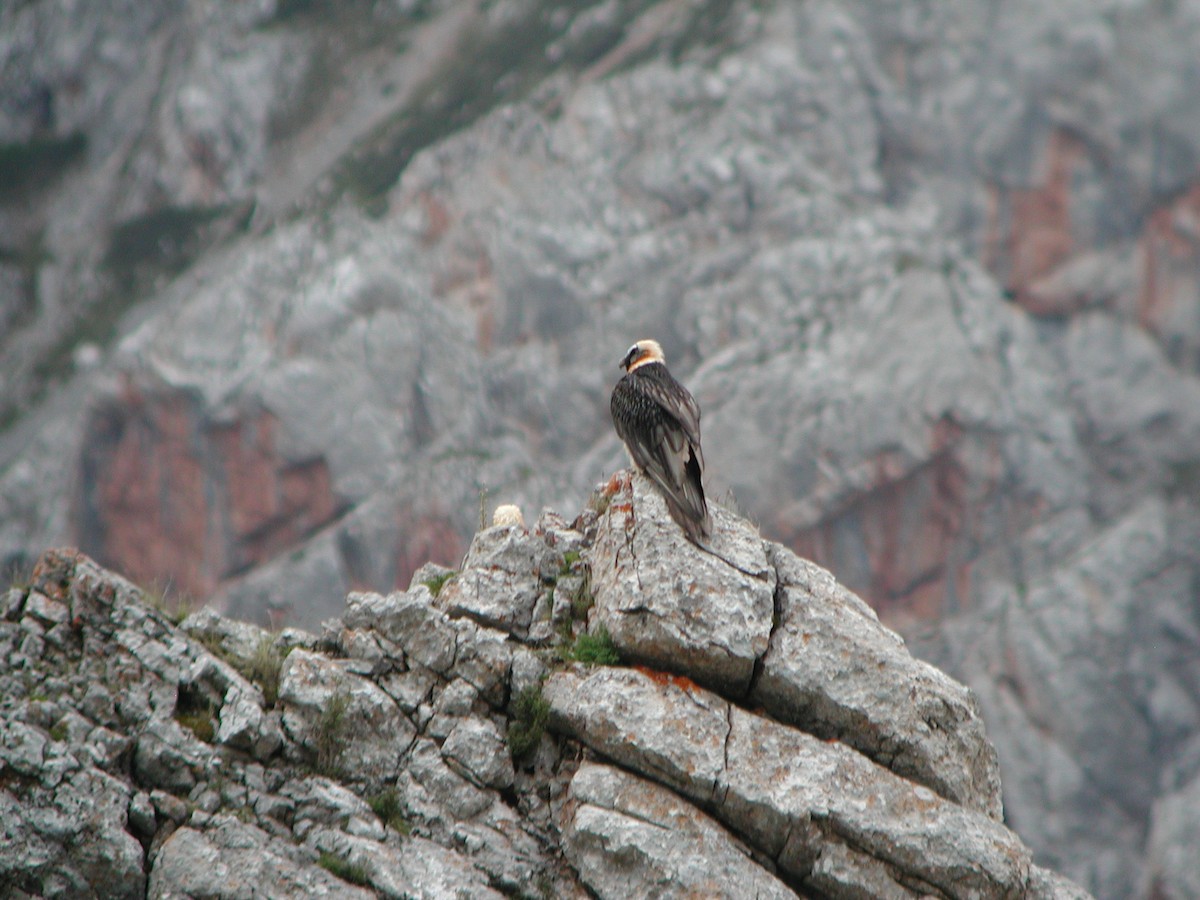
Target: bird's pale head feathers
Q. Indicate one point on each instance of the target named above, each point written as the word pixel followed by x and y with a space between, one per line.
pixel 644 351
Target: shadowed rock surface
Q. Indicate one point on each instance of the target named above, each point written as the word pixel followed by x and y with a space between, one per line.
pixel 412 749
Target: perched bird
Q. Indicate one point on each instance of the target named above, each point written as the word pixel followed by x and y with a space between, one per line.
pixel 659 422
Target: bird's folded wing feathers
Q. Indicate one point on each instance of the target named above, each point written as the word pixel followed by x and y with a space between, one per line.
pixel 677 403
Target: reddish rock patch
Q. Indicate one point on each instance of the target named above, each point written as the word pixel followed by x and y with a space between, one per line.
pixel 170 498
pixel 907 544
pixel 1170 260
pixel 425 538
pixel 1029 232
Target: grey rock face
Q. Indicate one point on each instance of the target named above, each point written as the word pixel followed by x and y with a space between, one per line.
pixel 787 793
pixel 628 836
pixel 504 564
pixel 664 614
pixel 236 860
pixel 835 671
pixel 343 720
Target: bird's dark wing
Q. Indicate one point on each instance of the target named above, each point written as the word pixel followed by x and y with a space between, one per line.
pixel 659 422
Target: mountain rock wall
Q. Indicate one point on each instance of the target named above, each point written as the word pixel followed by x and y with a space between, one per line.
pixel 285 289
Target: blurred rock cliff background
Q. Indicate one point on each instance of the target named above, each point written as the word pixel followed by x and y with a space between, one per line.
pixel 290 290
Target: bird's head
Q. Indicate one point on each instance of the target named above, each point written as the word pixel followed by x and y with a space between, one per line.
pixel 644 351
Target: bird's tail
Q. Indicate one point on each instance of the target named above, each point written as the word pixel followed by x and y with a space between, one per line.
pixel 690 511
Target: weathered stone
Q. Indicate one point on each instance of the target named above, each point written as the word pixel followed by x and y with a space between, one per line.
pixel 834 670
pixel 785 791
pixel 681 734
pixel 656 592
pixel 501 579
pixel 435 789
pixel 483 658
pixel 419 869
pixel 477 749
pixel 238 861
pixel 72 840
pixel 141 815
pixel 627 836
pixel 409 620
pixel 23 749
pixel 236 640
pixel 169 756
pixel 409 689
pixel 48 611
pixel 106 748
pixel 241 719
pixel 366 733
pixel 325 802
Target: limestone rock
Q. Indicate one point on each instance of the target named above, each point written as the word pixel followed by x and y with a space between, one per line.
pixel 655 590
pixel 790 795
pixel 349 723
pixel 72 839
pixel 235 860
pixel 834 670
pixel 418 869
pixel 404 710
pixel 501 579
pixel 629 836
pixel 477 747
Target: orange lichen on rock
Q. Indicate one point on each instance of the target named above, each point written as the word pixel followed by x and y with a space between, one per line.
pixel 667 678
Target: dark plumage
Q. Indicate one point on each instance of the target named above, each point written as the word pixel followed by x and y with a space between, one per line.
pixel 659 422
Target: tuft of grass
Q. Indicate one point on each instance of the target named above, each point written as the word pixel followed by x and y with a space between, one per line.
pixel 199 722
pixel 594 649
pixel 581 604
pixel 172 604
pixel 354 873
pixel 531 711
pixel 264 668
pixel 387 806
pixel 330 732
pixel 196 714
pixel 600 501
pixel 59 731
pixel 438 582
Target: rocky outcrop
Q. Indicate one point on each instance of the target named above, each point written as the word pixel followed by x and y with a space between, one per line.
pixel 458 738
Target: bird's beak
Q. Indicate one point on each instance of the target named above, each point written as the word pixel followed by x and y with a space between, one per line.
pixel 628 360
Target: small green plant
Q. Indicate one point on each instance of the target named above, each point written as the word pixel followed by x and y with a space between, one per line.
pixel 569 559
pixel 196 714
pixel 330 732
pixel 600 500
pixel 387 806
pixel 595 649
pixel 531 711
pixel 264 668
pixel 59 731
pixel 175 606
pixel 354 873
pixel 437 582
pixel 199 722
